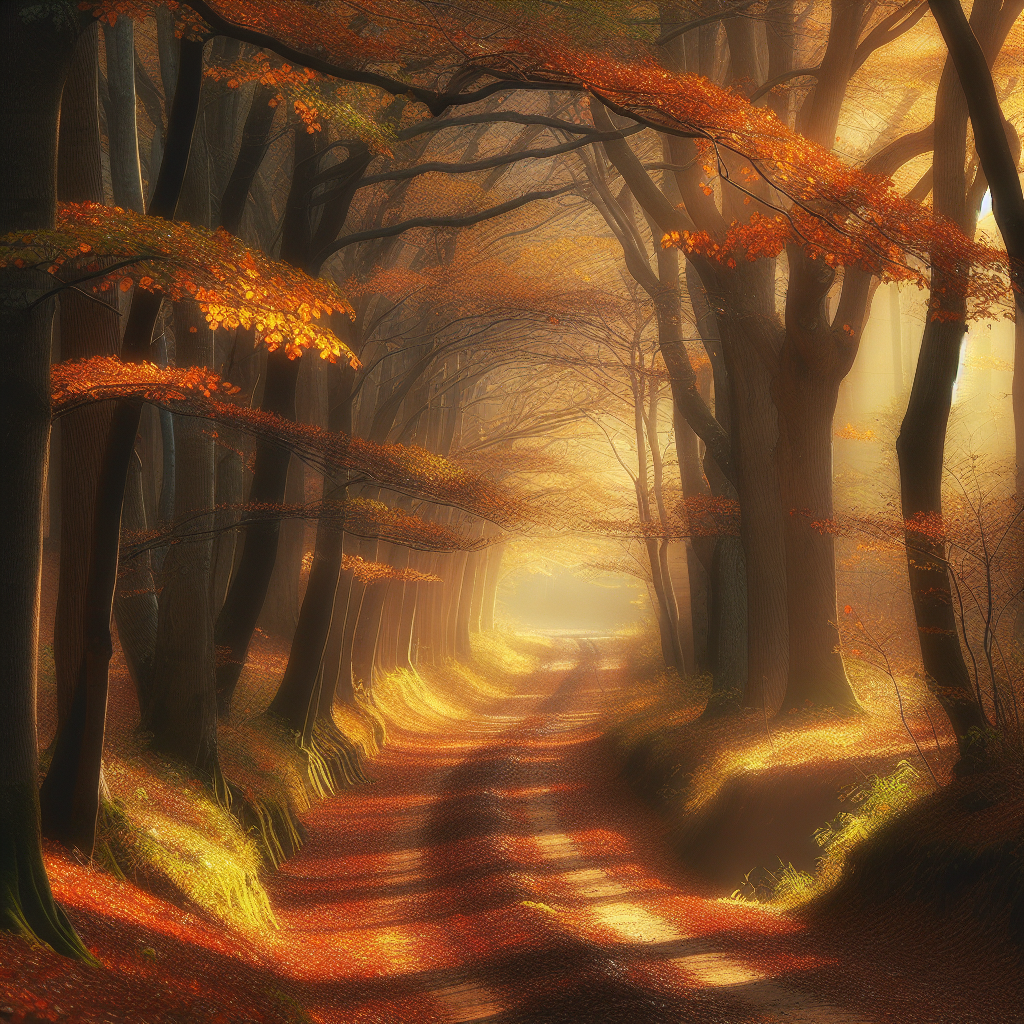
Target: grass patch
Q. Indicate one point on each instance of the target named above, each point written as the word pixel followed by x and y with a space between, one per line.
pixel 161 828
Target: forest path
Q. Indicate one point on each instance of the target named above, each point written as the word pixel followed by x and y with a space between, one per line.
pixel 498 872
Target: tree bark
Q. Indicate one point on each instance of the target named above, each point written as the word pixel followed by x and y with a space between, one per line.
pixel 183 706
pixel 71 789
pixel 36 55
pixel 921 442
pixel 122 125
pixel 87 328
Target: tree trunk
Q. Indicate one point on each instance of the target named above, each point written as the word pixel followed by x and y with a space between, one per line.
pixel 491 580
pixel 293 697
pixel 87 328
pixel 36 56
pixel 122 125
pixel 248 589
pixel 406 654
pixel 806 408
pixel 921 442
pixel 71 789
pixel 135 600
pixel 280 611
pixel 748 340
pixel 183 716
pixel 335 686
pixel 727 627
pixel 367 631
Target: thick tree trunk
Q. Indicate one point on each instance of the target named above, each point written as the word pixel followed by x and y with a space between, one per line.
pixel 806 409
pixel 87 328
pixel 122 126
pixel 71 789
pixel 36 56
pixel 749 340
pixel 1018 437
pixel 727 627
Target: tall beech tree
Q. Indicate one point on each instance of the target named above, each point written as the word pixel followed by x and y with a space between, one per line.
pixel 921 442
pixel 37 55
pixel 998 156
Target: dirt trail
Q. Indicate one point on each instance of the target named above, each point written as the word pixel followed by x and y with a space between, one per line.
pixel 496 872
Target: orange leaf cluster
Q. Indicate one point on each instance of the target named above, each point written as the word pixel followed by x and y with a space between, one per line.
pixel 313 97
pixel 83 381
pixel 837 211
pixel 375 572
pixel 361 518
pixel 851 433
pixel 235 286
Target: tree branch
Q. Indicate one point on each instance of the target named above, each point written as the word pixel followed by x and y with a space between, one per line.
pixel 443 222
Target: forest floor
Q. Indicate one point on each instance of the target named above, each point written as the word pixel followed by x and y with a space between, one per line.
pixel 497 869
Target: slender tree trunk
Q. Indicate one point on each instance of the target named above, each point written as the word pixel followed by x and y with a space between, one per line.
pixel 1018 436
pixel 463 612
pixel 280 611
pixel 896 337
pixel 491 579
pixel 336 684
pixel 921 442
pixel 183 716
pixel 367 632
pixel 248 589
pixel 135 600
pixel 36 55
pixel 406 654
pixel 293 697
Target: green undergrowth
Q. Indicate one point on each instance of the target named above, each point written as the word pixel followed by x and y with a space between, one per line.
pixel 799 795
pixel 869 803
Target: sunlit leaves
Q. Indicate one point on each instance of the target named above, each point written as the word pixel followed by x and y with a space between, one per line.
pixel 235 286
pixel 313 98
